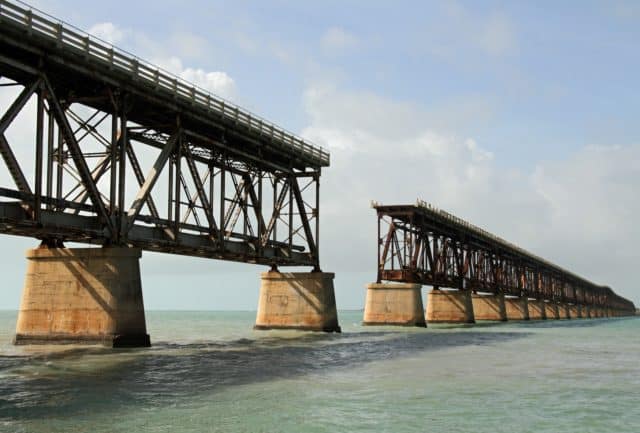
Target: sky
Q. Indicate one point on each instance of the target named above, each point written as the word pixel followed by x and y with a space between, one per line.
pixel 521 117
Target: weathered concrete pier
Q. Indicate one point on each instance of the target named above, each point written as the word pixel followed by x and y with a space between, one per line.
pixel 304 301
pixel 517 308
pixel 488 307
pixel 394 304
pixel 449 306
pixel 82 295
pixel 474 275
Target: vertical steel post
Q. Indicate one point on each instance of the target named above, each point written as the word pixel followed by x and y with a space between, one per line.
pixel 379 261
pixel 170 187
pixel 291 179
pixel 211 193
pixel 59 169
pixel 122 175
pixel 276 211
pixel 113 176
pixel 50 156
pixel 176 216
pixel 223 198
pixel 317 215
pixel 39 152
pixel 259 212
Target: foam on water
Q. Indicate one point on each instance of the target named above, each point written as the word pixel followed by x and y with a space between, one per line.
pixel 209 371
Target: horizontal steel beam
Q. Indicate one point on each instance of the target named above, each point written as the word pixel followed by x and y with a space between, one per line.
pixel 88 229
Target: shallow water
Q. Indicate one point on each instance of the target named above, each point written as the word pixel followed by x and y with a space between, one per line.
pixel 210 372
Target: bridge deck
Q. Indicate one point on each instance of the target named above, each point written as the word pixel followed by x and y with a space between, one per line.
pixel 82 63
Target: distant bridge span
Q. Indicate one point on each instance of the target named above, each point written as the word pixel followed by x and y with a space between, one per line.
pixel 423 245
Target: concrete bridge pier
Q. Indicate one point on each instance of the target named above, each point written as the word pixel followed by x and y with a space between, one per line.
pixel 489 307
pixel 586 311
pixel 575 312
pixel 297 300
pixel 551 310
pixel 517 308
pixel 563 309
pixel 449 306
pixel 82 295
pixel 394 304
pixel 536 309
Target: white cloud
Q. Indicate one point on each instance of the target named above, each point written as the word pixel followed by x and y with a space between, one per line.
pixel 216 82
pixel 336 40
pixel 578 213
pixel 108 32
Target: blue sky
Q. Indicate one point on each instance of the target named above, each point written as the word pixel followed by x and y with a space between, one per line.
pixel 519 116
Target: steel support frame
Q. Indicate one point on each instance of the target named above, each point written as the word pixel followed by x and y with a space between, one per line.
pixel 413 251
pixel 211 193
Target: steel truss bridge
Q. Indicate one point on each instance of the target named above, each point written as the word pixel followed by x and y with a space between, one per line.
pixel 124 153
pixel 422 244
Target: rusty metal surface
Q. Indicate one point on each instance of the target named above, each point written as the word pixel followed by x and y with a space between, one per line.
pixel 422 244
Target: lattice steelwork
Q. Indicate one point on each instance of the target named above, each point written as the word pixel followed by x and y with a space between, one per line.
pixel 421 244
pixel 123 153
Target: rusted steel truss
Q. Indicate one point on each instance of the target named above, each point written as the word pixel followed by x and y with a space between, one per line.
pixel 113 160
pixel 421 244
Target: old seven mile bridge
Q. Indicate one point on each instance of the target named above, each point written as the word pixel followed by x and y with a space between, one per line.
pixel 128 157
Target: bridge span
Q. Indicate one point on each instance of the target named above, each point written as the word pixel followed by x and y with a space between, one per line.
pixel 129 157
pixel 475 275
pixel 126 157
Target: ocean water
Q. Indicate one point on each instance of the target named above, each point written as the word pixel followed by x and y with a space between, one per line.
pixel 210 372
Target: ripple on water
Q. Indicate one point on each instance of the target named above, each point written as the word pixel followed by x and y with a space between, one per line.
pixel 548 378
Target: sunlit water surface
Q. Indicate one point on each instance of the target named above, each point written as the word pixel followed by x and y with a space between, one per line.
pixel 210 372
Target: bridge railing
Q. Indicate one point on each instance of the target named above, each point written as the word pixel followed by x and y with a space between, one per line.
pixel 69 37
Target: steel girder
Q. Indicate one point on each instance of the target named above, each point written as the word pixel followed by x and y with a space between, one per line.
pixel 90 185
pixel 421 245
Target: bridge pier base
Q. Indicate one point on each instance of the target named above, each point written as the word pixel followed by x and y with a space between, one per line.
pixel 574 311
pixel 449 306
pixel 489 307
pixel 517 308
pixel 536 309
pixel 297 300
pixel 394 304
pixel 82 295
pixel 586 312
pixel 551 310
pixel 563 310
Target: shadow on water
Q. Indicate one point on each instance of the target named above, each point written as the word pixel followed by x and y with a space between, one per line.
pixel 86 380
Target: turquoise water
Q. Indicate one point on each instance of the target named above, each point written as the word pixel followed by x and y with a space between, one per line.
pixel 210 372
